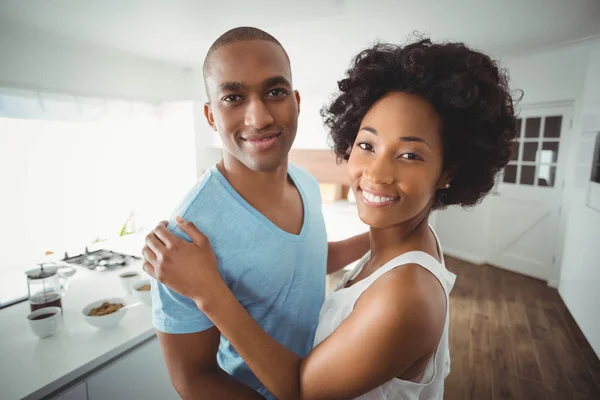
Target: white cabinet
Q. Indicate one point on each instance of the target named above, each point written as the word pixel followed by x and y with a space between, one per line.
pixel 77 392
pixel 140 374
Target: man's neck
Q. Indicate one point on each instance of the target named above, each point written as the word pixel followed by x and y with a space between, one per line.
pixel 254 186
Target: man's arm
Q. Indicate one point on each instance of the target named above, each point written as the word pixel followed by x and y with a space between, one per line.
pixel 195 374
pixel 346 251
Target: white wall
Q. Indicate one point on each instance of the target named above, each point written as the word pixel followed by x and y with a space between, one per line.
pixel 579 284
pixel 552 75
pixel 462 231
pixel 40 61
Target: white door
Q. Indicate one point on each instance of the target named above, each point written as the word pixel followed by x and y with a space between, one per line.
pixel 525 220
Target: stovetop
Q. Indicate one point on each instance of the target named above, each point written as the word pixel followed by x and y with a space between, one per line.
pixel 101 260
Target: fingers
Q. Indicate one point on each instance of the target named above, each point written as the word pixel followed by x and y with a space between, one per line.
pixel 149 269
pixel 149 255
pixel 154 243
pixel 168 238
pixel 198 238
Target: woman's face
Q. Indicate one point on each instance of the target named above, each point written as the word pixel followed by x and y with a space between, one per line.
pixel 396 161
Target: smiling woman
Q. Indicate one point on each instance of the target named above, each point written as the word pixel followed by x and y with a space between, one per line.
pixel 470 93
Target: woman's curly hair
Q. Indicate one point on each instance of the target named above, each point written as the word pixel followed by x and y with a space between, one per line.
pixel 468 90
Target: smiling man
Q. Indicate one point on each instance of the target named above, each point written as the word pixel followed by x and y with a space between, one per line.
pixel 263 219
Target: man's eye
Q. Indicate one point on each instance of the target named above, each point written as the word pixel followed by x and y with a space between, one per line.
pixel 276 93
pixel 365 146
pixel 411 156
pixel 231 98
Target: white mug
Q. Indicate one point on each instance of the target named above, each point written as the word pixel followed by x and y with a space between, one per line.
pixel 128 279
pixel 46 326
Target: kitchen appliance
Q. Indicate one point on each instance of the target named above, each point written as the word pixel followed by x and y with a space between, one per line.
pixel 100 260
pixel 46 285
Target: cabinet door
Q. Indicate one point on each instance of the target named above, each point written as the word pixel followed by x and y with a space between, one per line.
pixel 77 392
pixel 139 374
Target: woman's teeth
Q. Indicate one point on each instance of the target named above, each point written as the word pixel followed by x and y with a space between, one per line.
pixel 377 199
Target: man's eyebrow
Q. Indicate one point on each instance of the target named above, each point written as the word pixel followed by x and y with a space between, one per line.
pixel 230 86
pixel 269 82
pixel 276 80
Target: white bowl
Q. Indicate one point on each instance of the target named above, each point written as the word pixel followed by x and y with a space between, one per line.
pixel 143 296
pixel 105 321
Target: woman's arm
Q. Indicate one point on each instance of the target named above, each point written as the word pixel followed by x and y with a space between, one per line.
pixel 392 326
pixel 395 323
pixel 344 252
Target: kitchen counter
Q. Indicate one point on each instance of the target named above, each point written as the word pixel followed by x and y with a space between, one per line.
pixel 32 368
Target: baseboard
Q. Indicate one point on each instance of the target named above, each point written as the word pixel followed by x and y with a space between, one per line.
pixel 464 256
pixel 553 283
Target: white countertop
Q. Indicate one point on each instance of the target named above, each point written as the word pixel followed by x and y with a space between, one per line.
pixel 31 368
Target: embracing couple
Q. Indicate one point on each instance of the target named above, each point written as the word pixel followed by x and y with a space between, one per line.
pixel 239 291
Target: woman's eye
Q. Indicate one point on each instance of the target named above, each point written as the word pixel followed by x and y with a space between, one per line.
pixel 365 146
pixel 276 93
pixel 411 156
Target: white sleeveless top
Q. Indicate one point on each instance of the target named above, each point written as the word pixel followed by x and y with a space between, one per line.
pixel 340 303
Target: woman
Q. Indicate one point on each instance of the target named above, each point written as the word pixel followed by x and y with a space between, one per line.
pixel 422 127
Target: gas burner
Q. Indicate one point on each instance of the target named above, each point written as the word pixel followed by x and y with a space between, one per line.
pixel 101 260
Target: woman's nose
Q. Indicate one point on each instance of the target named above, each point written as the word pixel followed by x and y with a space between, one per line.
pixel 380 171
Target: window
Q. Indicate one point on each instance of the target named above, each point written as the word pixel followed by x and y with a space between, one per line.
pixel 535 152
pixel 74 172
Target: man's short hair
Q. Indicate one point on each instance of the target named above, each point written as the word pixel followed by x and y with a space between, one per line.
pixel 236 35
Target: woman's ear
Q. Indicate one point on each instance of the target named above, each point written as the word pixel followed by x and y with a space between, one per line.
pixel 446 178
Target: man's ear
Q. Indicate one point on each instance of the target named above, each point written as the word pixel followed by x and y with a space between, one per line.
pixel 209 116
pixel 297 95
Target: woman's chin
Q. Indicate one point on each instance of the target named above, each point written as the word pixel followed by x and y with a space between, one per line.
pixel 374 222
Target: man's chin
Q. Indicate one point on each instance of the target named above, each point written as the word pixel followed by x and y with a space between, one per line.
pixel 266 164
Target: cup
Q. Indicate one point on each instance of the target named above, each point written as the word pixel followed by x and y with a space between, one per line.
pixel 44 321
pixel 128 279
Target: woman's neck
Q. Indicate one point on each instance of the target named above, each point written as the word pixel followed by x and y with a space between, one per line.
pixel 389 242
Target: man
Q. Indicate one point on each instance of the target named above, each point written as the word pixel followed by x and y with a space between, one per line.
pixel 262 218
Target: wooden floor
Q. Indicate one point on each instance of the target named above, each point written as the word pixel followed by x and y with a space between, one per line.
pixel 512 337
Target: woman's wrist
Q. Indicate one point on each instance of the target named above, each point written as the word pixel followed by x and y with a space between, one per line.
pixel 217 295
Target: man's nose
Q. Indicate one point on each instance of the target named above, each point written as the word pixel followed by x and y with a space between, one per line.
pixel 258 115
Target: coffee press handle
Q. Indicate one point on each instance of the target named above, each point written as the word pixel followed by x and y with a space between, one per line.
pixel 64 273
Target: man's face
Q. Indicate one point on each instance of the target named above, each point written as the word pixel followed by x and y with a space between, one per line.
pixel 252 103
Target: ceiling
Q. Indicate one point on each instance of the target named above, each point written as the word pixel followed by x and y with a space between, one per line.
pixel 179 31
